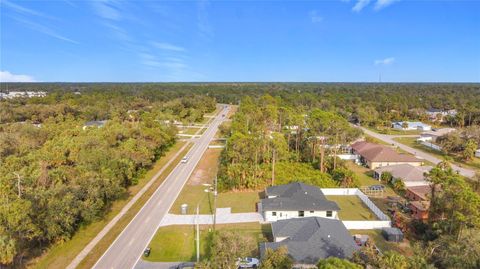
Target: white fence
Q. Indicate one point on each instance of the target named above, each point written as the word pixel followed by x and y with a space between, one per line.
pixel 384 220
pixel 431 145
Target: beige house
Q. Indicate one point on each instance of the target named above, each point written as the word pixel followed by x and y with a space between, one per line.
pixel 375 155
pixel 408 174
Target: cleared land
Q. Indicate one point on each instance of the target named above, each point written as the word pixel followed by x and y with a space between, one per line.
pixel 352 208
pixel 177 243
pixel 59 256
pixel 194 192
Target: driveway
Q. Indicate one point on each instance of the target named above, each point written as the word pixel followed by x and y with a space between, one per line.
pixel 224 216
pixel 418 153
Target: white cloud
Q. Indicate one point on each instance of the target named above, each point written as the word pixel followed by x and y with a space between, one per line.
pixel 315 17
pixel 383 3
pixel 167 46
pixel 360 5
pixel 45 30
pixel 107 10
pixel 23 10
pixel 386 61
pixel 6 76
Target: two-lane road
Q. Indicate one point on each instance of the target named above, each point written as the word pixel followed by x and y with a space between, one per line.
pixel 389 139
pixel 127 249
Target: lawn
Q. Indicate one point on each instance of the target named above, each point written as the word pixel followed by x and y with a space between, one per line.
pixel 411 142
pixel 177 243
pixel 392 131
pixel 192 131
pixel 59 256
pixel 377 237
pixel 194 192
pixel 352 208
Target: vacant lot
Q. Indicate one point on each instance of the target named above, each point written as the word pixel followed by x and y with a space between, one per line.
pixel 194 194
pixel 352 208
pixel 177 243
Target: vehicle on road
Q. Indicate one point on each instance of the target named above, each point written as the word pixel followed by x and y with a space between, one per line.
pixel 248 263
pixel 146 252
pixel 184 159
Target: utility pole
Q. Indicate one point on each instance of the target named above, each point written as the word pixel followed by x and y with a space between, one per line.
pixel 273 168
pixel 198 234
pixel 215 204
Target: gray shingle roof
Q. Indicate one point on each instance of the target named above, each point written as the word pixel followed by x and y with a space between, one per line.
pixel 312 238
pixel 297 196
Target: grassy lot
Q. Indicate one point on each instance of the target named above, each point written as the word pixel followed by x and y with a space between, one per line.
pixel 352 208
pixel 376 235
pixel 411 142
pixel 59 256
pixel 177 243
pixel 372 139
pixel 194 192
pixel 392 131
pixel 191 131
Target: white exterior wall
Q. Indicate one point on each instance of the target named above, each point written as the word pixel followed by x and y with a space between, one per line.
pixel 366 225
pixel 415 183
pixel 281 215
pixel 431 145
pixel 477 153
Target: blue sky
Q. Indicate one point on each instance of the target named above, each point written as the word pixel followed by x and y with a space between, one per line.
pixel 351 41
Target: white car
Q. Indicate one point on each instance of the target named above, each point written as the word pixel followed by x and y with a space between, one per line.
pixel 248 263
pixel 184 160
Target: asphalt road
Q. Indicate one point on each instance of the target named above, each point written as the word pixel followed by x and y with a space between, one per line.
pixel 389 139
pixel 128 247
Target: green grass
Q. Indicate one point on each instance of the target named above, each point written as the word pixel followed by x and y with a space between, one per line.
pixel 192 131
pixel 60 255
pixel 411 142
pixel 239 202
pixel 352 208
pixel 392 131
pixel 177 243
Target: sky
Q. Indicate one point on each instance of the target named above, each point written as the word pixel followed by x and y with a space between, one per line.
pixel 240 41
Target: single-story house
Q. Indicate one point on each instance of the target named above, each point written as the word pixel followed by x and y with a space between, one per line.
pixel 411 125
pixel 418 193
pixel 296 200
pixel 477 153
pixel 94 123
pixel 419 209
pixel 434 134
pixel 375 155
pixel 439 114
pixel 410 175
pixel 309 240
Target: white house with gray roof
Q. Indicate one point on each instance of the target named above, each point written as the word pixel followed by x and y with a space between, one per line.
pixel 309 240
pixel 296 200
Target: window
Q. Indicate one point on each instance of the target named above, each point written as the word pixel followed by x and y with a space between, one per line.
pixel 301 213
pixel 329 213
pixel 274 214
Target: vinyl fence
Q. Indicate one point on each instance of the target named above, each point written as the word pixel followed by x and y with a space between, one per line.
pixel 384 220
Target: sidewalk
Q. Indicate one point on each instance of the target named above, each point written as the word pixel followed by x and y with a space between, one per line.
pixel 224 216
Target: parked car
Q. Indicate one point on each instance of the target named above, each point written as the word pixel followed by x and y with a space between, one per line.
pixel 146 252
pixel 377 187
pixel 185 159
pixel 248 263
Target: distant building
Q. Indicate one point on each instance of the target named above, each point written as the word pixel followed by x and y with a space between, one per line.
pixel 311 239
pixel 296 200
pixel 375 155
pixel 94 123
pixel 433 135
pixel 22 94
pixel 477 153
pixel 411 125
pixel 439 114
pixel 410 175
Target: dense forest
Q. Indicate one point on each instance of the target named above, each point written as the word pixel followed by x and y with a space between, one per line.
pixel 56 174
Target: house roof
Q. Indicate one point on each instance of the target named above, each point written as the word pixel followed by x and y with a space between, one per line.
pixel 381 153
pixel 296 196
pixel 312 238
pixel 438 132
pixel 420 205
pixel 406 172
pixel 421 191
pixel 412 124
